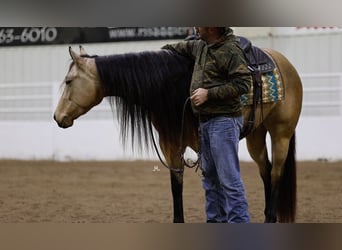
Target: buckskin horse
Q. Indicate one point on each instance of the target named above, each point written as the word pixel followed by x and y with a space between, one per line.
pixel 150 88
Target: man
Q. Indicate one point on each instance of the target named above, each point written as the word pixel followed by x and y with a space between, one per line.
pixel 219 78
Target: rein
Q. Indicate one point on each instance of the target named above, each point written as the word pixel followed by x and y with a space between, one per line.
pixel 177 170
pixel 181 139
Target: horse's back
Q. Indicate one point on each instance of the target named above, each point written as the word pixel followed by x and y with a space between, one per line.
pixel 287 110
pixel 289 75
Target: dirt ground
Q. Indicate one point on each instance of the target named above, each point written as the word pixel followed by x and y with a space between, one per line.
pixel 139 192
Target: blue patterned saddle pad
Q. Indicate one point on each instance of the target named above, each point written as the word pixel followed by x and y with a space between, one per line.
pixel 272 89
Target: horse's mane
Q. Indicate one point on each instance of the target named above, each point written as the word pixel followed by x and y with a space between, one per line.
pixel 144 87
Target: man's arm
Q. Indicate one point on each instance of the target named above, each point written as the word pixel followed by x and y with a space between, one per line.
pixel 184 48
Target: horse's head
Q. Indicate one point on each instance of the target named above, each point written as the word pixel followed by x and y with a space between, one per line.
pixel 82 89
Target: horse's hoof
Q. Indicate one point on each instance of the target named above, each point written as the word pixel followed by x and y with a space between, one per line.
pixel 270 220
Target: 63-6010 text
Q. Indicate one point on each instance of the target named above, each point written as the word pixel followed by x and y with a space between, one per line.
pixel 27 35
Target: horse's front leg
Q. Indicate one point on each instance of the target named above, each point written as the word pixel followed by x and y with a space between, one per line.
pixel 177 194
pixel 173 161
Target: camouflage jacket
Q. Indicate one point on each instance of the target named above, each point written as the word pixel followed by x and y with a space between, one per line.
pixel 222 69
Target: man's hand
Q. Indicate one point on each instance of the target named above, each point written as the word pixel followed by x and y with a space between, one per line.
pixel 199 96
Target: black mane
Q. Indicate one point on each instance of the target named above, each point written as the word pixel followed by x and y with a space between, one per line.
pixel 144 87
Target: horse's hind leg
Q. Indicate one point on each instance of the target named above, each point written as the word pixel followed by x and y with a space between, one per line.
pixel 283 176
pixel 256 144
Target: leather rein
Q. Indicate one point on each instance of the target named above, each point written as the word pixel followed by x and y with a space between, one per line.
pixel 180 150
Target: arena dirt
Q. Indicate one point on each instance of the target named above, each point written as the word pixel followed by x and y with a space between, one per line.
pixel 139 192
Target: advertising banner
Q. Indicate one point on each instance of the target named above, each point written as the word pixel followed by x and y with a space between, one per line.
pixel 306 30
pixel 14 36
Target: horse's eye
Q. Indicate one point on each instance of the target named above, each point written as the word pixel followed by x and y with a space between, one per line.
pixel 68 81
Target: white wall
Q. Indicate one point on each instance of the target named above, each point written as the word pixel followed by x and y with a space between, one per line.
pixel 30 132
pixel 34 135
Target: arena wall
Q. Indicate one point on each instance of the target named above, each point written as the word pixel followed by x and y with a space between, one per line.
pixel 30 87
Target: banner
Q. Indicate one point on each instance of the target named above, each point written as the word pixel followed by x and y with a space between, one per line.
pixel 14 36
pixel 306 30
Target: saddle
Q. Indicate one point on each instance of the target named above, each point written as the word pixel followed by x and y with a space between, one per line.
pixel 258 63
pixel 256 58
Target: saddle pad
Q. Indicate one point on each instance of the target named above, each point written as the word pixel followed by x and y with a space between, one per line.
pixel 272 89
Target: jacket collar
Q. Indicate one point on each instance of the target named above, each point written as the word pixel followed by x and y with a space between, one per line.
pixel 228 35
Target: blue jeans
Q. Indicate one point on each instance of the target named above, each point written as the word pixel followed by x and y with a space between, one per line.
pixel 224 190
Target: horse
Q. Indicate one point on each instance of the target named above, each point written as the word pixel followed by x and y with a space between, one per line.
pixel 149 88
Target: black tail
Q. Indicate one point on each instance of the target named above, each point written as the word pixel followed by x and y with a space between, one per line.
pixel 287 202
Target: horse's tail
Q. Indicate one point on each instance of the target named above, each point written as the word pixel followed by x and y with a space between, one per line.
pixel 287 202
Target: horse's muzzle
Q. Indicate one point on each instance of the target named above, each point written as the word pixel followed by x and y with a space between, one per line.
pixel 65 122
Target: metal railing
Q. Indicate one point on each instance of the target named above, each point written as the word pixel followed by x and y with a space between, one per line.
pixel 322 96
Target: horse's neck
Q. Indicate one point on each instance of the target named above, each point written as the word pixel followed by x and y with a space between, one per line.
pixel 127 74
pixel 91 70
pixel 108 74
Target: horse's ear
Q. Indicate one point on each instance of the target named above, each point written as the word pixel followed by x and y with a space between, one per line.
pixel 78 60
pixel 73 55
pixel 82 51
